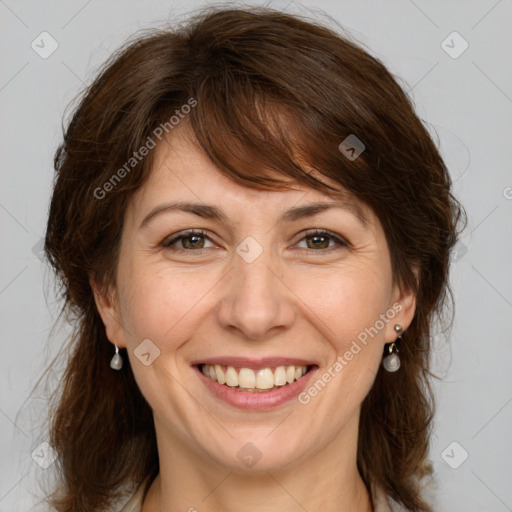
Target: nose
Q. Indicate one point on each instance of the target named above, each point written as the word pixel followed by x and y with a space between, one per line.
pixel 257 302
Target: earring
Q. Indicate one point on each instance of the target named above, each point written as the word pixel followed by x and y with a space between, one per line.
pixel 116 362
pixel 391 362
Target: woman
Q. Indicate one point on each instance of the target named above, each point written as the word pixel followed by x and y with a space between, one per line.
pixel 253 229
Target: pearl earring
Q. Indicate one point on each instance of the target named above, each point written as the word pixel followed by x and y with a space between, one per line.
pixel 116 362
pixel 391 362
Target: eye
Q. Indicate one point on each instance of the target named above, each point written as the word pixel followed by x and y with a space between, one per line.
pixel 190 240
pixel 317 240
pixel 320 240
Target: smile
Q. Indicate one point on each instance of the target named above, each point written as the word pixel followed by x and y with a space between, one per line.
pixel 254 381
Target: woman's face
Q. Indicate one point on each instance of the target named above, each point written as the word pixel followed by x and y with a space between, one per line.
pixel 256 290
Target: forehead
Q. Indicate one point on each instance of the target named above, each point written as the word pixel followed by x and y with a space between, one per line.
pixel 182 172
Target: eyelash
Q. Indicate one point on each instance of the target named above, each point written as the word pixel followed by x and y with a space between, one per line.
pixel 169 242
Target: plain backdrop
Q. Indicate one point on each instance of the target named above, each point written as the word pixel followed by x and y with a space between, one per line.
pixel 464 95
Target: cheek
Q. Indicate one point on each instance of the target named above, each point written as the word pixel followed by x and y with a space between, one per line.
pixel 346 302
pixel 349 306
pixel 163 308
pixel 160 305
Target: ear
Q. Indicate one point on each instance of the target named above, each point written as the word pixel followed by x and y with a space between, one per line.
pixel 108 308
pixel 404 305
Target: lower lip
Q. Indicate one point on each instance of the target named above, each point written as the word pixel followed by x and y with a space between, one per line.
pixel 257 400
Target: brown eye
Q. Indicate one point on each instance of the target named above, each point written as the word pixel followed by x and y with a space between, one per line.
pixel 323 240
pixel 191 240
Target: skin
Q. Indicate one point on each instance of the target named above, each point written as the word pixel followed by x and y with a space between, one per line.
pixel 297 299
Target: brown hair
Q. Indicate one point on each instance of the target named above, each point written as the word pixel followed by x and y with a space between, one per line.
pixel 268 88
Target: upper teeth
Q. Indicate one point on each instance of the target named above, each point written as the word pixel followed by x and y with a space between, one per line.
pixel 264 378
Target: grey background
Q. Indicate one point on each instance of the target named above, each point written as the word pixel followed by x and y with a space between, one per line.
pixel 466 100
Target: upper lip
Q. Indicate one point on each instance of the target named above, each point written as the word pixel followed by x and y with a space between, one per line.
pixel 256 364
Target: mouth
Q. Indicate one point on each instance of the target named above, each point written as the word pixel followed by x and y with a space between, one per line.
pixel 255 380
pixel 255 384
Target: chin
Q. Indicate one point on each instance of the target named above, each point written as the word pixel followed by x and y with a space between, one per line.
pixel 257 451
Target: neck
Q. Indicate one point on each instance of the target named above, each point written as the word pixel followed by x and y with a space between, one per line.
pixel 327 480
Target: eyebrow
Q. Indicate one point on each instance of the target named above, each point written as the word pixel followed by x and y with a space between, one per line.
pixel 294 214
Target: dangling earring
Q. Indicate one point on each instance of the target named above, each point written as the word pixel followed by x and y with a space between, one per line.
pixel 391 362
pixel 116 362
